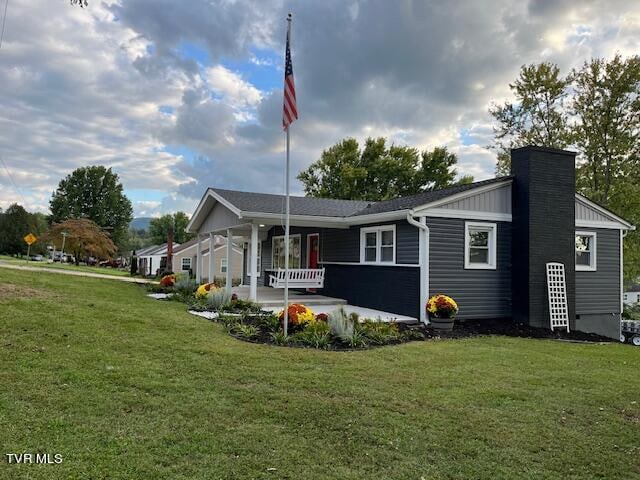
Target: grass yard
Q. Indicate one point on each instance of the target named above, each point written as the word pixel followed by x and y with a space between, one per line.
pixel 65 266
pixel 127 387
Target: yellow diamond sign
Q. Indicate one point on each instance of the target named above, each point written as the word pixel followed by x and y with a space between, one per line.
pixel 30 238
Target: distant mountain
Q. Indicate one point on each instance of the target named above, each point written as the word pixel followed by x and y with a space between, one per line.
pixel 141 223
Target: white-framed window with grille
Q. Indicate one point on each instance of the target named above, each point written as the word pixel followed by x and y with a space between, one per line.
pixel 223 265
pixel 278 250
pixel 186 264
pixel 378 244
pixel 586 243
pixel 248 259
pixel 480 245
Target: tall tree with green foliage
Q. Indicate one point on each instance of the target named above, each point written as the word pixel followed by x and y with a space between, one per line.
pixel 15 223
pixel 378 171
pixel 95 193
pixel 537 117
pixel 159 228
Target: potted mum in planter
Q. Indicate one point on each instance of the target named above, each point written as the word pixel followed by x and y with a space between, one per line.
pixel 442 312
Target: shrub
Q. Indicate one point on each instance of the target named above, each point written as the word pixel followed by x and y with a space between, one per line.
pixel 279 338
pixel 185 286
pixel 341 324
pixel 379 333
pixel 316 335
pixel 168 281
pixel 298 315
pixel 244 330
pixel 322 317
pixel 357 339
pixel 218 298
pixel 442 306
pixel 270 323
pixel 242 306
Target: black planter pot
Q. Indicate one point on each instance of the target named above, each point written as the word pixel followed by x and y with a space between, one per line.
pixel 442 324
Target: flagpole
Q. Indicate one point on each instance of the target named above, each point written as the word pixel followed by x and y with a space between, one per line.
pixel 287 212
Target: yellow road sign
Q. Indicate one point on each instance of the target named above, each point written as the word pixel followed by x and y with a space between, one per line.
pixel 30 239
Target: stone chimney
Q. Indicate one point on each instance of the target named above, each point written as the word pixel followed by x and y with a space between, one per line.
pixel 543 229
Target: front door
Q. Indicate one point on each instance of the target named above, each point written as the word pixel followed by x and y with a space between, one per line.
pixel 313 253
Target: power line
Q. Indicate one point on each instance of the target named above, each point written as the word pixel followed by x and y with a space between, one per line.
pixel 4 21
pixel 15 187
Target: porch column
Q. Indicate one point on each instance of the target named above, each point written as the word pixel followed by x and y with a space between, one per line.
pixel 212 264
pixel 199 260
pixel 229 258
pixel 253 268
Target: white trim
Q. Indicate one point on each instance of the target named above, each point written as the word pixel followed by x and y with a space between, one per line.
pixel 377 217
pixel 604 211
pixel 224 261
pixel 492 228
pixel 258 258
pixel 622 294
pixel 378 229
pixel 310 220
pixel 291 237
pixel 593 266
pixel 467 214
pixel 369 264
pixel 210 193
pixel 599 224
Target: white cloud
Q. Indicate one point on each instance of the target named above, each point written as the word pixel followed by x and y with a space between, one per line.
pixel 238 93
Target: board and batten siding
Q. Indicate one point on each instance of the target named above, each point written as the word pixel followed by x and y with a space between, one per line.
pixel 599 291
pixel 497 200
pixel 480 294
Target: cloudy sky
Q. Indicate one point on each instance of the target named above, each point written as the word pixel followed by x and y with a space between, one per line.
pixel 178 96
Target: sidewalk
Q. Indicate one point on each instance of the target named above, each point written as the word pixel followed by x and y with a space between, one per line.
pixel 71 272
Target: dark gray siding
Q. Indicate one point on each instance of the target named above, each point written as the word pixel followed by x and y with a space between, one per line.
pixel 599 291
pixel 479 293
pixel 344 245
pixel 391 289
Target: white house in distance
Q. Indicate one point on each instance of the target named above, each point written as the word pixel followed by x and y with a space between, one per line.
pixel 153 259
pixel 185 258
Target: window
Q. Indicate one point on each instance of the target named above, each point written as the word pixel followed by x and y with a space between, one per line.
pixel 480 246
pixel 277 252
pixel 378 244
pixel 223 265
pixel 586 251
pixel 249 258
pixel 186 264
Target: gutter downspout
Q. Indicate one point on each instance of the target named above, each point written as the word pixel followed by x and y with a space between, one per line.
pixel 424 262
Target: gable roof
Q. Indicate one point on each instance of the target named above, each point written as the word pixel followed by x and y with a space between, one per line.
pixel 413 201
pixel 272 203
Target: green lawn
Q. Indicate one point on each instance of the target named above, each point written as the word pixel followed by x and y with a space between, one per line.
pixel 65 266
pixel 127 387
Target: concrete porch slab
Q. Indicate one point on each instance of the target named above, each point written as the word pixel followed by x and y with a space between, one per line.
pixel 274 297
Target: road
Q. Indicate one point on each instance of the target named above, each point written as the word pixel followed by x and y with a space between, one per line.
pixel 72 272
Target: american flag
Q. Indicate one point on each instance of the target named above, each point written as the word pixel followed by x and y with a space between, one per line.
pixel 290 112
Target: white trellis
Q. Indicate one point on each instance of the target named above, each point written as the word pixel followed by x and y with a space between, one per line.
pixel 557 293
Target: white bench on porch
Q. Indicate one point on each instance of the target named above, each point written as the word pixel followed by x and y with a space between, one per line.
pixel 298 278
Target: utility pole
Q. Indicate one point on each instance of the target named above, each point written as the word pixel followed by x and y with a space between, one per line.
pixel 64 238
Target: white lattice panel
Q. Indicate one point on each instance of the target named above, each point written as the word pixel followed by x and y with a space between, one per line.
pixel 557 293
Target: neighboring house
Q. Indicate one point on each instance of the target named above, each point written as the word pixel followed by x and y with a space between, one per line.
pixel 632 295
pixel 486 244
pixel 185 258
pixel 153 260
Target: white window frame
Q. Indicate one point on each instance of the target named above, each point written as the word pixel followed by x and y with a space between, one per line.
pixel 594 249
pixel 224 264
pixel 259 267
pixel 291 238
pixel 378 231
pixel 182 264
pixel 492 228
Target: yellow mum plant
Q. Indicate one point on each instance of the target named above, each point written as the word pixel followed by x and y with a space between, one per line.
pixel 204 289
pixel 298 314
pixel 442 306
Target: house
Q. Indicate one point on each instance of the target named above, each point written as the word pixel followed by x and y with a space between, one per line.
pixel 486 244
pixel 153 260
pixel 632 295
pixel 185 258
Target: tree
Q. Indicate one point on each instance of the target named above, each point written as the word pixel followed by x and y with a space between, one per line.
pixel 159 228
pixel 84 239
pixel 15 223
pixel 80 3
pixel 538 116
pixel 378 172
pixel 95 193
